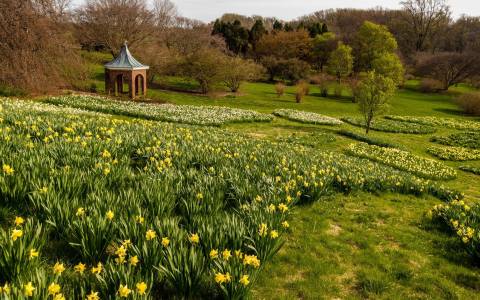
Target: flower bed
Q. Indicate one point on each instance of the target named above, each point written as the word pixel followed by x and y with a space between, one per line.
pixel 391 126
pixel 403 160
pixel 460 139
pixel 187 114
pixel 436 121
pixel 454 153
pixel 306 117
pixel 470 169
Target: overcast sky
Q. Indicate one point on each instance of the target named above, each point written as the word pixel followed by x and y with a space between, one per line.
pixel 208 10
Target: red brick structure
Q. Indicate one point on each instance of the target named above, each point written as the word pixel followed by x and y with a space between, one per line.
pixel 126 69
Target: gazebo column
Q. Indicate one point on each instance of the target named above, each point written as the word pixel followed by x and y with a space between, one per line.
pixel 132 85
pixel 144 81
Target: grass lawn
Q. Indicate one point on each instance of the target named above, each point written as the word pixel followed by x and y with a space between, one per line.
pixel 360 245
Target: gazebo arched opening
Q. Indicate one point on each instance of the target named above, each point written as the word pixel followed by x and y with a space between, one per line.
pixel 119 84
pixel 139 85
pixel 125 69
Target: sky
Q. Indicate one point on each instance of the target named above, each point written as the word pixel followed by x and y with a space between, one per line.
pixel 209 10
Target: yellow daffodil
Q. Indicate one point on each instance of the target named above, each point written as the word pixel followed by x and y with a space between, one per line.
pixel 54 289
pixel 285 224
pixel 141 288
pixel 58 268
pixel 28 289
pixel 93 296
pixel 244 280
pixel 97 269
pixel 124 291
pixel 121 251
pixel 8 170
pixel 213 253
pixel 5 289
pixel 33 253
pixel 133 260
pixel 226 254
pixel 79 268
pixel 165 242
pixel 80 212
pixel 59 297
pixel 150 235
pixel 19 221
pixel 139 219
pixel 194 239
pixel 110 215
pixel 262 231
pixel 16 233
pixel 199 196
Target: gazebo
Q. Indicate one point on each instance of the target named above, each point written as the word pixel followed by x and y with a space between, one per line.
pixel 126 69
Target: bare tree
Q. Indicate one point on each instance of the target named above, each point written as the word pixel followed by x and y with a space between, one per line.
pixel 165 13
pixel 424 17
pixel 449 67
pixel 35 53
pixel 112 22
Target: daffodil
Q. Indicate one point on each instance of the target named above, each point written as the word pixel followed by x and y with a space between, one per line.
pixel 110 215
pixel 93 296
pixel 150 235
pixel 194 239
pixel 58 268
pixel 244 280
pixel 139 219
pixel 79 268
pixel 133 260
pixel 19 221
pixel 213 253
pixel 59 297
pixel 98 269
pixel 33 253
pixel 28 289
pixel 54 288
pixel 141 288
pixel 226 254
pixel 8 170
pixel 124 291
pixel 80 212
pixel 285 224
pixel 16 233
pixel 165 242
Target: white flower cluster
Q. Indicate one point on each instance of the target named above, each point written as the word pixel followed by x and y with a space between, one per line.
pixel 306 117
pixel 187 114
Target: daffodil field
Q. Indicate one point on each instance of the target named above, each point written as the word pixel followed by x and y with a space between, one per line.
pixel 109 208
pixel 468 139
pixel 392 125
pixel 471 125
pixel 470 169
pixel 306 117
pixel 403 160
pixel 186 114
pixel 454 153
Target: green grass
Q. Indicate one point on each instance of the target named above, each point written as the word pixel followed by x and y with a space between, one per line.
pixel 362 245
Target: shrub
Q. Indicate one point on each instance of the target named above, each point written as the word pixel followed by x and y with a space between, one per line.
pixel 305 86
pixel 428 85
pixel 280 89
pixel 470 103
pixel 300 92
pixel 93 88
pixel 338 91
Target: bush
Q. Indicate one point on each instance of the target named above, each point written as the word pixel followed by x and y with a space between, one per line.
pixel 301 91
pixel 470 103
pixel 93 88
pixel 428 85
pixel 338 91
pixel 280 89
pixel 322 81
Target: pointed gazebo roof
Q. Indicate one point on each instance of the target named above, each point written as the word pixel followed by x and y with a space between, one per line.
pixel 125 61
